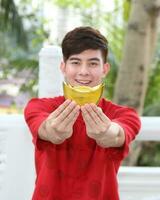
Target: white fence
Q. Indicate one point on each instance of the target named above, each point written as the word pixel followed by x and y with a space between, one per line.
pixel 17 153
pixel 16 159
pixel 17 163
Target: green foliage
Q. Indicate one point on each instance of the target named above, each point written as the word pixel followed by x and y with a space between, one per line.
pixel 31 83
pixel 21 62
pixel 125 7
pixel 115 25
pixel 126 10
pixel 11 20
pixel 152 110
pixel 152 106
pixel 87 9
pixel 150 154
pixel 111 77
pixel 16 61
pixel 153 92
pixel 75 4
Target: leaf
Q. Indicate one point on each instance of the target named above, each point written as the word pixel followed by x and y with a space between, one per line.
pixel 126 9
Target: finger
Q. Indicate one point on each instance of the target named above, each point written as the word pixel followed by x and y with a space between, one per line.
pixel 102 126
pixel 67 125
pixel 71 118
pixel 74 119
pixel 100 113
pixel 90 127
pixel 88 119
pixel 60 109
pixel 94 115
pixel 70 126
pixel 69 109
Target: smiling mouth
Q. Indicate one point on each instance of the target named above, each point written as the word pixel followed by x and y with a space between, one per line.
pixel 83 82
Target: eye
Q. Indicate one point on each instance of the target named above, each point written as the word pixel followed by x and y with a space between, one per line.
pixel 75 63
pixel 93 64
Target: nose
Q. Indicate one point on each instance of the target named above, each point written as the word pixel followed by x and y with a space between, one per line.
pixel 84 70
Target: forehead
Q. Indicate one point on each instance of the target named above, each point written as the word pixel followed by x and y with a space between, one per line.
pixel 87 55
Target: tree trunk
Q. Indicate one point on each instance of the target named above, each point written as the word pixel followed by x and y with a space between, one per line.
pixel 140 42
pixel 139 47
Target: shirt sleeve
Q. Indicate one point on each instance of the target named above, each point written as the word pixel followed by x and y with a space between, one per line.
pixel 129 120
pixel 35 112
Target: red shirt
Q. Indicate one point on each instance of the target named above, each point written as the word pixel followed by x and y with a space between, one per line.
pixel 78 168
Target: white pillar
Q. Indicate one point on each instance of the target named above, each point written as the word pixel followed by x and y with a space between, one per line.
pixel 50 77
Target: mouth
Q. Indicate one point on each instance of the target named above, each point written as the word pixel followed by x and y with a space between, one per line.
pixel 83 82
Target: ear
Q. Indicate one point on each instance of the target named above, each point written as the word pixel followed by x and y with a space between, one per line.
pixel 106 68
pixel 63 67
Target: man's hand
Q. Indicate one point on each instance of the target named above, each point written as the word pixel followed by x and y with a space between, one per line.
pixel 101 128
pixel 59 124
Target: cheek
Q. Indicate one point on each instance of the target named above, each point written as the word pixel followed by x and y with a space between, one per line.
pixel 70 71
pixel 97 74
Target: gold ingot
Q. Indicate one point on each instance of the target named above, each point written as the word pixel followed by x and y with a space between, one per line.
pixel 83 94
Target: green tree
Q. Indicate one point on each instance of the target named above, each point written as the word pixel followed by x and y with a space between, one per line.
pixel 17 56
pixel 10 20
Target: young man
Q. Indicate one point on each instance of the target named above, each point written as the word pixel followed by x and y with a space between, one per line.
pixel 79 148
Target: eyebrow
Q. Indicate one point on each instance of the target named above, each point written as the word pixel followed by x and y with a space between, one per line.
pixel 94 59
pixel 90 59
pixel 75 58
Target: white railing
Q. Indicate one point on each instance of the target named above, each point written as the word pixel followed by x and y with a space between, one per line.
pixel 17 173
pixel 17 163
pixel 142 183
pixel 16 159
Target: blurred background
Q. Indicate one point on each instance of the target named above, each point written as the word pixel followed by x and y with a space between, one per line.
pixel 133 32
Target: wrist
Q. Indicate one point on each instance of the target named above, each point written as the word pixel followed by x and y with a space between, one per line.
pixel 113 137
pixel 119 136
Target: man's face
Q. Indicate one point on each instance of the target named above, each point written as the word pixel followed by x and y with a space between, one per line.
pixel 86 68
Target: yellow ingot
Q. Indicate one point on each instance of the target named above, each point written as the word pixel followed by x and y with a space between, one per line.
pixel 83 94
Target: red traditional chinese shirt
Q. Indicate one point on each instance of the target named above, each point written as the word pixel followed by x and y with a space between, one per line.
pixel 78 169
